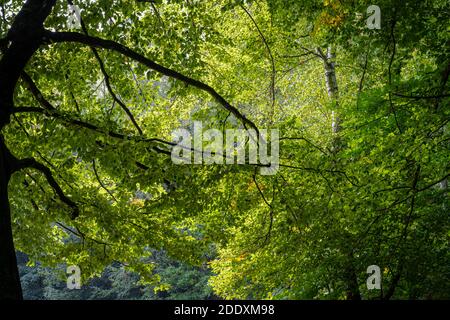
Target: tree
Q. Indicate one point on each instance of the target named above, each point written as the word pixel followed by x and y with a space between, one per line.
pixel 86 118
pixel 28 43
pixel 383 210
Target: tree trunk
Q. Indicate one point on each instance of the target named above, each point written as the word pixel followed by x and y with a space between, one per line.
pixel 23 39
pixel 352 290
pixel 10 287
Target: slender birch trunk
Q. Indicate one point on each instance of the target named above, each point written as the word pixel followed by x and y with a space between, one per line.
pixel 331 83
pixel 24 38
pixel 350 275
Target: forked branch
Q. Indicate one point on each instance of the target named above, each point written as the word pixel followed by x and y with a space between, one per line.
pixel 32 163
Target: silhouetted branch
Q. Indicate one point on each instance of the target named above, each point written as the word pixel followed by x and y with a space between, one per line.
pixel 32 163
pixel 100 181
pixel 56 37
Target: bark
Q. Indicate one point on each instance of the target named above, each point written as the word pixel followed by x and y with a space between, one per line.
pixel 23 39
pixel 331 83
pixel 9 274
pixel 393 285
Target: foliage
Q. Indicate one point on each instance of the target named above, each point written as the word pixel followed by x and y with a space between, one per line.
pixel 372 193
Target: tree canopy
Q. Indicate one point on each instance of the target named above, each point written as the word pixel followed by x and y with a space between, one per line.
pixel 87 115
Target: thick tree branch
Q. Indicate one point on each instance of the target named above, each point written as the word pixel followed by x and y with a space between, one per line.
pixel 113 94
pixel 66 119
pixel 306 140
pixel 25 37
pixel 36 92
pixel 353 183
pixel 49 110
pixel 433 183
pixel 108 82
pixel 56 37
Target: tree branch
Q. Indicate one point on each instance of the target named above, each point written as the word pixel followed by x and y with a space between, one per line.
pixel 268 204
pixel 421 97
pixel 108 83
pixel 36 92
pixel 57 37
pixel 270 55
pixel 100 181
pixel 391 61
pixel 67 120
pixel 32 163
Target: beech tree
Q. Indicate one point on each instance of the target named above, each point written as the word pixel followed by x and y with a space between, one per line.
pixel 86 116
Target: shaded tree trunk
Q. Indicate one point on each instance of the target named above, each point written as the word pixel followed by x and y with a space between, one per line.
pixel 10 287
